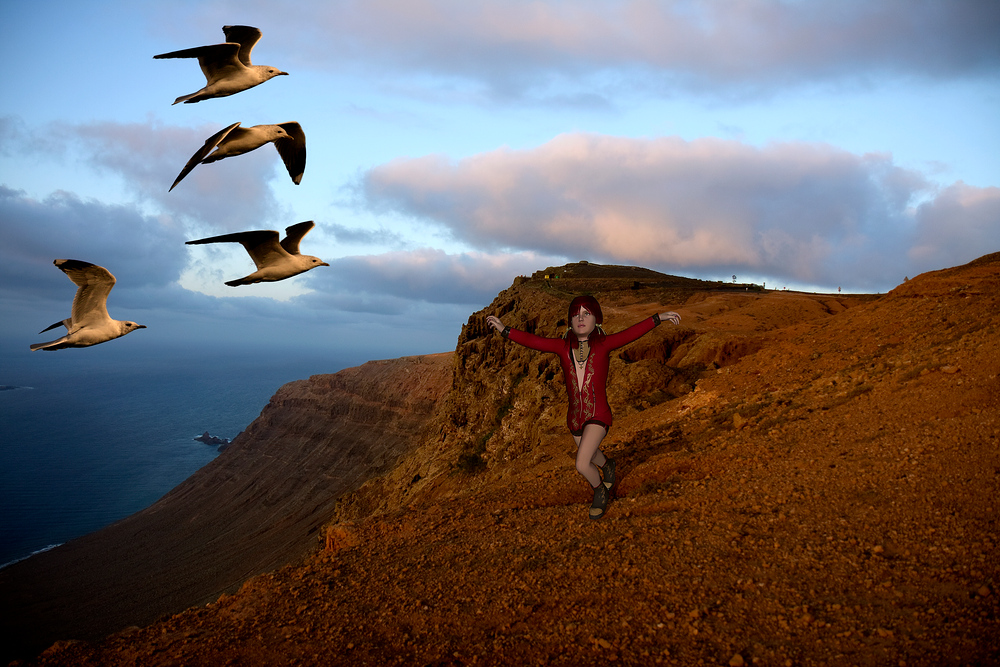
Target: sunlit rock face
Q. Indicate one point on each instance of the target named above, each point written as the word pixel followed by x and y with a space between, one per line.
pixel 509 399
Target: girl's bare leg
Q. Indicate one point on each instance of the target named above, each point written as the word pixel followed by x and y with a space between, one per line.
pixel 589 453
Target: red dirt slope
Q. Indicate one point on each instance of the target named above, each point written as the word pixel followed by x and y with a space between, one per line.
pixel 806 480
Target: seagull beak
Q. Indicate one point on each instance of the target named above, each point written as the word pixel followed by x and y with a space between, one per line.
pixel 282 74
pixel 323 264
pixel 141 326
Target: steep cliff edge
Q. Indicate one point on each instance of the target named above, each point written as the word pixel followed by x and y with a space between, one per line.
pixel 257 506
pixel 805 479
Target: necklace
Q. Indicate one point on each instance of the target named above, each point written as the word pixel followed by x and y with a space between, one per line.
pixel 582 351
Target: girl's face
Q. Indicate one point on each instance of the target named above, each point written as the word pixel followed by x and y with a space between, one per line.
pixel 583 323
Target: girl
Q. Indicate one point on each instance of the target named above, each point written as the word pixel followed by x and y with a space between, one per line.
pixel 584 353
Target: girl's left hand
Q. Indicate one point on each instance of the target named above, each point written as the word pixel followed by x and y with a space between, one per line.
pixel 671 317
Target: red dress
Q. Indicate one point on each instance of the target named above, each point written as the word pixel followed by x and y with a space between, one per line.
pixel 590 404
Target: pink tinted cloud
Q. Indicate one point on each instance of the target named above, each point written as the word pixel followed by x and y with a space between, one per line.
pixel 799 211
pixel 961 223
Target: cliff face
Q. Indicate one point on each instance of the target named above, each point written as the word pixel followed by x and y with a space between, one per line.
pixel 257 506
pixel 804 479
pixel 508 402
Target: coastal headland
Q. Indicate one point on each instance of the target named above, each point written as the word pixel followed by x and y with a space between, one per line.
pixel 805 479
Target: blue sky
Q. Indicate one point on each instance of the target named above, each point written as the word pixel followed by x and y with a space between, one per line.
pixel 455 145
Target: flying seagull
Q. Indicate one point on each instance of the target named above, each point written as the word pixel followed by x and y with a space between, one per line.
pixel 226 66
pixel 288 138
pixel 90 323
pixel 274 260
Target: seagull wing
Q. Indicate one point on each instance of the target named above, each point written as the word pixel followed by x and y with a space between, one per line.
pixel 246 36
pixel 293 236
pixel 217 61
pixel 95 283
pixel 293 150
pixel 210 144
pixel 265 251
pixel 261 245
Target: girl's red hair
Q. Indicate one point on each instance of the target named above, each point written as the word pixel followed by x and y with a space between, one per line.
pixel 588 302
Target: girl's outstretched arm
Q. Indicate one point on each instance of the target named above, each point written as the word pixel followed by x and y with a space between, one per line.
pixel 616 340
pixel 523 338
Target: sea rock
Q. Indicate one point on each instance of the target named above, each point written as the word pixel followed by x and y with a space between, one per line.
pixel 211 439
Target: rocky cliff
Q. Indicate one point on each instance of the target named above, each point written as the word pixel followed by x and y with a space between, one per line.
pixel 257 506
pixel 805 479
pixel 507 402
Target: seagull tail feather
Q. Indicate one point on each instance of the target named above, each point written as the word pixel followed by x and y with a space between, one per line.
pixel 51 345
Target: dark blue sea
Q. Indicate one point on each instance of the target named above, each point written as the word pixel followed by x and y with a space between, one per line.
pixel 92 436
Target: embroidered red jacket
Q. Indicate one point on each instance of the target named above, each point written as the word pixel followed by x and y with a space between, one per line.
pixel 590 404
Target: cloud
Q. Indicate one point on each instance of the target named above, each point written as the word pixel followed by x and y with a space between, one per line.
pixel 797 211
pixel 141 251
pixel 360 303
pixel 360 236
pixel 147 156
pixel 525 49
pixel 961 223
pixel 147 255
pixel 405 281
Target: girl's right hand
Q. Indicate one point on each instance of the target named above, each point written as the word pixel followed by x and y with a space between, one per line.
pixel 494 322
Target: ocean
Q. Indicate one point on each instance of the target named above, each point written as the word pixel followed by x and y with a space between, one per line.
pixel 88 439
